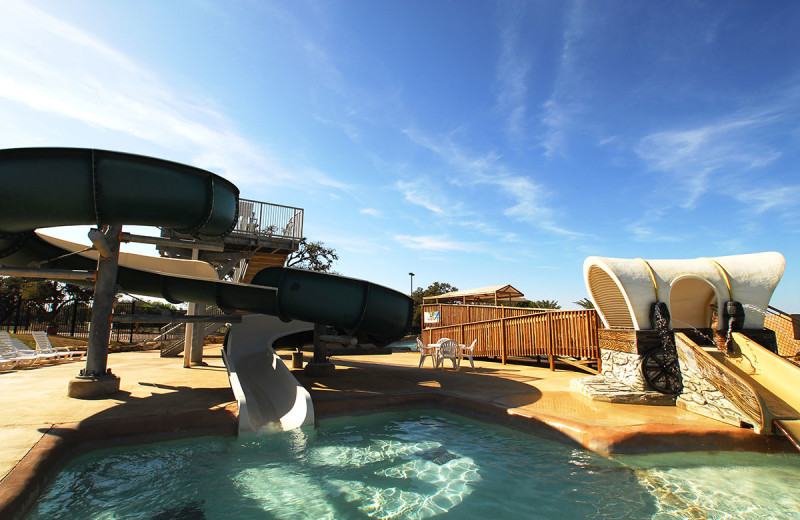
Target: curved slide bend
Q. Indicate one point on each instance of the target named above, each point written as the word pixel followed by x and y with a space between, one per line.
pixel 47 187
pixel 760 386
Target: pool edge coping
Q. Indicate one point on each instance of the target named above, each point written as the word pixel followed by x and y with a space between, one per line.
pixel 23 485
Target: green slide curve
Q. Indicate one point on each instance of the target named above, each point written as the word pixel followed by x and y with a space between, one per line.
pixel 49 187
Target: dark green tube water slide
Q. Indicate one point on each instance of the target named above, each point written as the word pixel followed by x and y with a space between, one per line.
pixel 49 187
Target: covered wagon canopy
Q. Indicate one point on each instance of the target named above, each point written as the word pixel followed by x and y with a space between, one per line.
pixel 624 289
pixel 494 294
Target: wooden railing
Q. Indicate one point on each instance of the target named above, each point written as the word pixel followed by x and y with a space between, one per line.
pixel 516 332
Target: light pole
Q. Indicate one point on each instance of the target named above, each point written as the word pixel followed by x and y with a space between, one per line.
pixel 412 284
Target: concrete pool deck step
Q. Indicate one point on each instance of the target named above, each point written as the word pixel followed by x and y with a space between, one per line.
pixel 159 399
pixel 606 388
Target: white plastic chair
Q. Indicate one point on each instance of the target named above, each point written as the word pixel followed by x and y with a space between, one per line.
pixel 467 351
pixel 426 351
pixel 449 350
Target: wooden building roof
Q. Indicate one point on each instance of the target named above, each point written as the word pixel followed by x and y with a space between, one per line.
pixel 495 295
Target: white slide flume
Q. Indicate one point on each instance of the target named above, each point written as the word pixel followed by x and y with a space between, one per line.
pixel 268 395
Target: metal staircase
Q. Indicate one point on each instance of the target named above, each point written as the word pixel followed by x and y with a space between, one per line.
pixel 173 337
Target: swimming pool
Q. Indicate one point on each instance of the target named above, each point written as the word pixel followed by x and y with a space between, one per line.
pixel 421 464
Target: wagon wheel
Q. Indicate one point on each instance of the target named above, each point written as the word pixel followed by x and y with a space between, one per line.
pixel 661 370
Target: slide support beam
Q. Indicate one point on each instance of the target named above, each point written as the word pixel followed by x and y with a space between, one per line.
pixel 96 379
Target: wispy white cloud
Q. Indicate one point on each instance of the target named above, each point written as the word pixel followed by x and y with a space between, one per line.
pixel 563 107
pixel 646 229
pixel 53 67
pixel 778 198
pixel 528 198
pixel 690 156
pixel 503 235
pixel 511 75
pixel 417 193
pixel 370 211
pixel 436 243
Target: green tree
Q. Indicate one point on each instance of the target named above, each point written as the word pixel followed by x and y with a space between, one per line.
pixel 586 303
pixel 544 304
pixel 313 256
pixel 50 296
pixel 434 289
pixel 10 296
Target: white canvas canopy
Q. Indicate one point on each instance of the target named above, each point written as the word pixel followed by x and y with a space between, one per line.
pixel 623 289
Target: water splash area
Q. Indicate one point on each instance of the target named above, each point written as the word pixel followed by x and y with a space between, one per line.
pixel 412 465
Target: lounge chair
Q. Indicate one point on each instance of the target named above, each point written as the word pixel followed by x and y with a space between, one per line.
pixel 43 346
pixel 8 360
pixel 448 350
pixel 25 356
pixel 467 351
pixel 426 351
pixel 9 356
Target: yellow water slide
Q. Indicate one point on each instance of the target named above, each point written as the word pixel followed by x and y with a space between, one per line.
pixel 762 388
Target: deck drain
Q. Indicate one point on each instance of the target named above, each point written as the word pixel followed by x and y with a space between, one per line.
pixel 438 455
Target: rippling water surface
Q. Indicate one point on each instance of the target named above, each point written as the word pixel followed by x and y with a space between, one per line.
pixel 409 466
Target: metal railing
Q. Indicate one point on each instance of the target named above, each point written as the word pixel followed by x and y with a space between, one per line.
pixel 265 219
pixel 72 320
pixel 173 335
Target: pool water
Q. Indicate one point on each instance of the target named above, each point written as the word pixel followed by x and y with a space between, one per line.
pixel 413 465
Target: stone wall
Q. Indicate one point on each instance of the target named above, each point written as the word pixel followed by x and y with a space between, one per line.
pixel 700 393
pixel 624 367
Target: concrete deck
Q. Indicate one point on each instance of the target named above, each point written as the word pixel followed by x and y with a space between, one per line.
pixel 42 427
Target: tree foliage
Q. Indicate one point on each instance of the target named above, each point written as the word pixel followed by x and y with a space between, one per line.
pixel 434 289
pixel 544 304
pixel 10 296
pixel 313 256
pixel 47 295
pixel 586 303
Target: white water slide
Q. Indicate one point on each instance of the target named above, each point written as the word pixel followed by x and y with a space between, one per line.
pixel 267 393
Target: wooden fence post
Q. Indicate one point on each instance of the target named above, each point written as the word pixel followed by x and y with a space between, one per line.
pixel 503 339
pixel 550 341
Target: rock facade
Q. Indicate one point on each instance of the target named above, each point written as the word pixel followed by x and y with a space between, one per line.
pixel 701 396
pixel 620 381
pixel 624 367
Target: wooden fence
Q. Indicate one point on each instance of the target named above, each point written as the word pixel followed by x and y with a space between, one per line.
pixel 503 332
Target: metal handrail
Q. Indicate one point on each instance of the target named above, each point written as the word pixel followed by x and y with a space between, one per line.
pixel 266 219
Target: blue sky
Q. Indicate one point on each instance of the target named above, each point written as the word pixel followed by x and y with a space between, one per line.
pixel 471 142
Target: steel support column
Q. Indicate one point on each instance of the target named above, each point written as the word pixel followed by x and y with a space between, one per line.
pixel 96 379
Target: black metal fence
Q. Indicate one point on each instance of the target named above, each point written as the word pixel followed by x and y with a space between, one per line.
pixel 73 319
